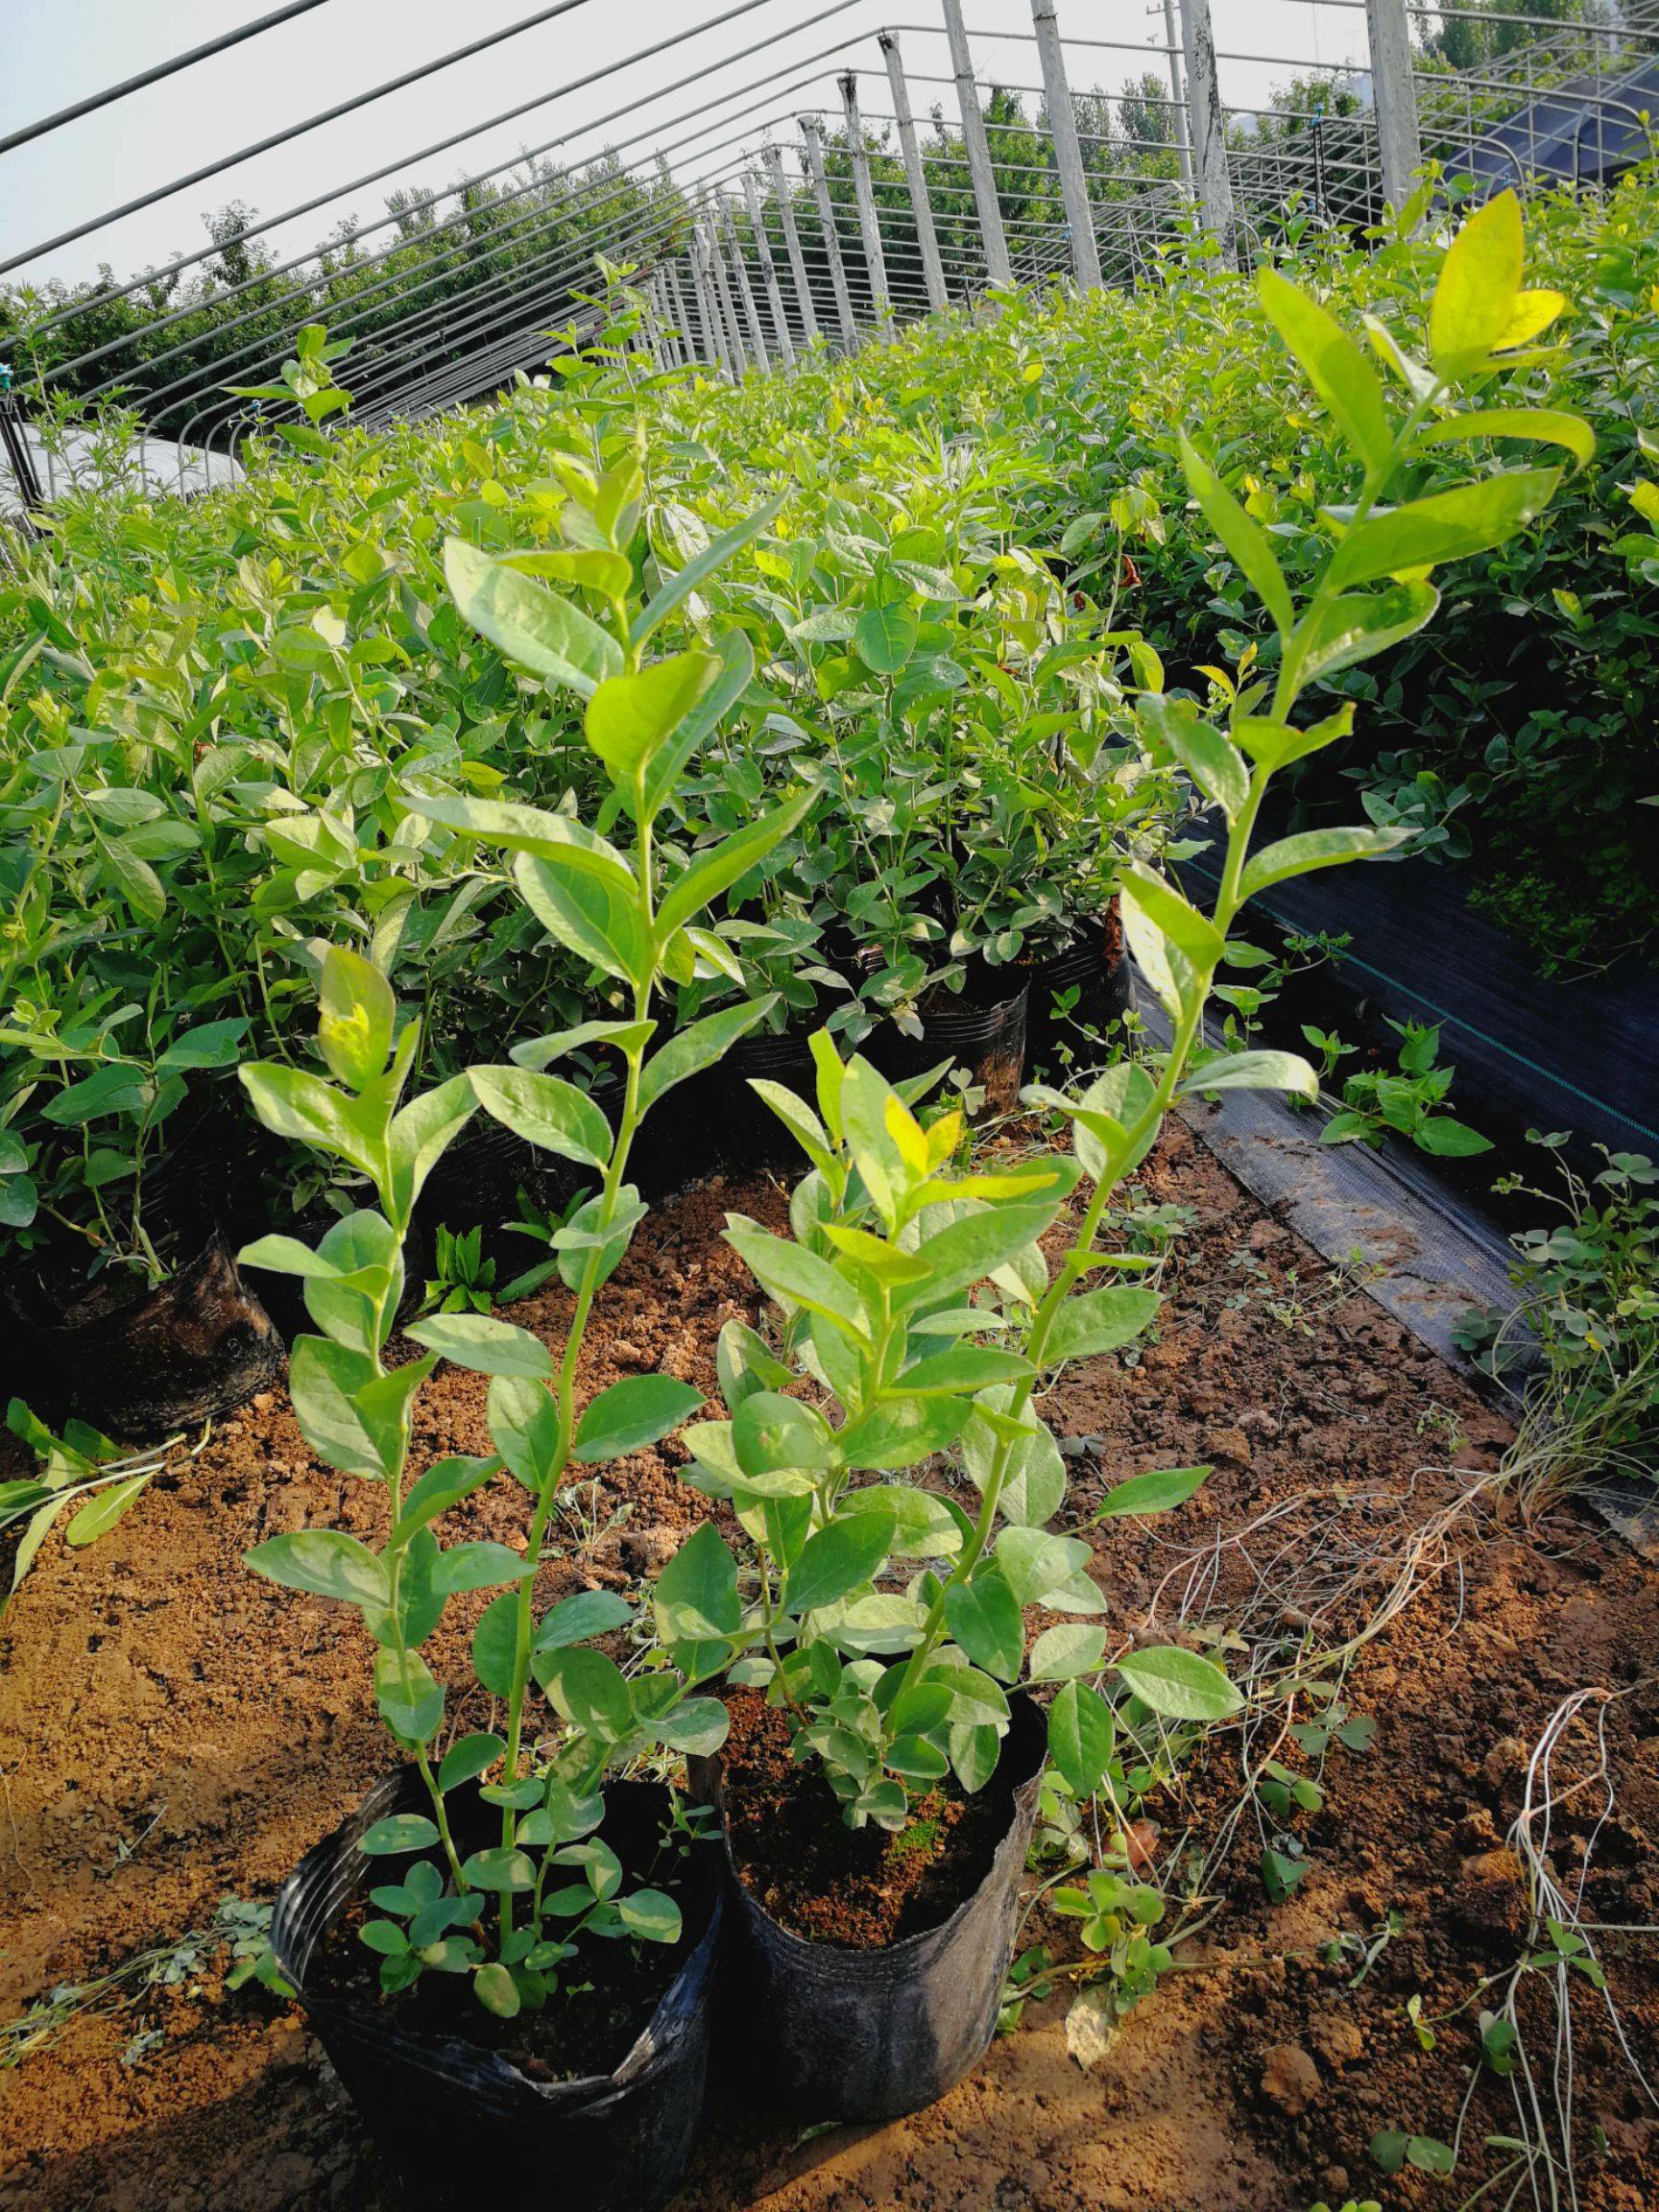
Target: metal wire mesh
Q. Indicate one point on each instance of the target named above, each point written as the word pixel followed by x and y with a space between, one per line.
pixel 760 212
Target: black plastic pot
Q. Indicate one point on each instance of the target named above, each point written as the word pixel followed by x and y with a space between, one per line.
pixel 720 1120
pixel 143 1368
pixel 1096 966
pixel 843 2035
pixel 982 1029
pixel 457 2121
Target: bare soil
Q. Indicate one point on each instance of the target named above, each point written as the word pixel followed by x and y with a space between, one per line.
pixel 174 1731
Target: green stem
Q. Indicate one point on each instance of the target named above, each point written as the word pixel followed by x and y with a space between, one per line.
pixel 565 1384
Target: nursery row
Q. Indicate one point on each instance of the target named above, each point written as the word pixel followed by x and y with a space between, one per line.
pixel 937 581
pixel 845 1646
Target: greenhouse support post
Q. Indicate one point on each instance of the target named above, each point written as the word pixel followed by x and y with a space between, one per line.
pixel 865 192
pixel 1177 93
pixel 792 245
pixel 768 267
pixel 715 350
pixel 723 299
pixel 812 130
pixel 1394 91
pixel 1207 124
pixel 998 267
pixel 915 176
pixel 746 291
pixel 682 322
pixel 1068 152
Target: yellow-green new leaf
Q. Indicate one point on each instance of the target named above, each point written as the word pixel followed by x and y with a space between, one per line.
pixel 1334 366
pixel 1549 425
pixel 631 718
pixel 1243 538
pixel 1446 526
pixel 1479 282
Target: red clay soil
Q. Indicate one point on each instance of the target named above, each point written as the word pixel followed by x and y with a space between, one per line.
pixel 174 1731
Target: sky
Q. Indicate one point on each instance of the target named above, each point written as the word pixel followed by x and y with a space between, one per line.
pixel 58 54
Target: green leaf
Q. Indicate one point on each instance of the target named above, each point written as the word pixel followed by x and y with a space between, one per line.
pixel 1549 425
pixel 1252 1071
pixel 632 1413
pixel 965 1367
pixel 1243 540
pixel 446 1483
pixel 1334 366
pixel 1312 849
pixel 410 1700
pixel 19 1202
pixel 771 1432
pixel 357 1012
pixel 1445 526
pixel 1061 1654
pixel 1179 1684
pixel 696 1725
pixel 923 1526
pixel 1174 917
pixel 476 1566
pixel 495 1643
pixel 722 865
pixel 696 1595
pixel 100 1512
pixel 585 1613
pixel 984 1617
pixel 587 1689
pixel 496 1990
pixel 698 1046
pixel 545 1111
pixel 499 1869
pixel 713 556
pixel 1354 627
pixel 552 837
pixel 972 1247
pixel 1475 296
pixel 1081 1737
pixel 904 1431
pixel 541 1052
pixel 208 1044
pixel 793 1275
pixel 885 637
pixel 974 1749
pixel 592 915
pixel 1440 1135
pixel 420 1137
pixel 1159 1492
pixel 630 717
pixel 649 1915
pixel 325 1562
pixel 1102 1320
pixel 737 659
pixel 1274 744
pixel 838 1560
pixel 303 1107
pixel 524 1429
pixel 528 623
pixel 402 1832
pixel 469 1758
pixel 1177 730
pixel 485 1345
